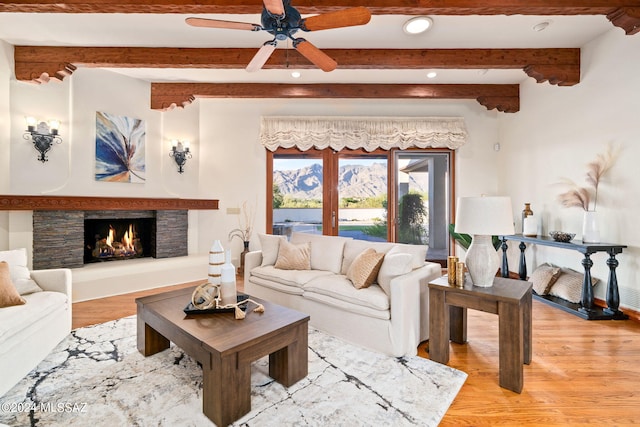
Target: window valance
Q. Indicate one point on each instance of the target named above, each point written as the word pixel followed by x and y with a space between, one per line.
pixel 369 133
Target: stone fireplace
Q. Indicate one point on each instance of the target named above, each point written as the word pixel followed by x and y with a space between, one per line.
pixel 70 238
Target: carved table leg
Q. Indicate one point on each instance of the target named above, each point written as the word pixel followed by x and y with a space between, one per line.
pixel 613 297
pixel 587 289
pixel 522 269
pixel 505 262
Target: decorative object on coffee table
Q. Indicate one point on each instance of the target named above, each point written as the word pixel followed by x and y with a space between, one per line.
pixel 483 217
pixel 216 260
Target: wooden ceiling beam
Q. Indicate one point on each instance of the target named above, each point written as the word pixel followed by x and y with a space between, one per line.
pixel 40 63
pixel 505 98
pixel 382 7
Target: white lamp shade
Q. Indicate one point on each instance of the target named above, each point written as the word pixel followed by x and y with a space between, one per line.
pixel 484 216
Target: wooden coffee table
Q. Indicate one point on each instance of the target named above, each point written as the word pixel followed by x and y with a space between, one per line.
pixel 226 347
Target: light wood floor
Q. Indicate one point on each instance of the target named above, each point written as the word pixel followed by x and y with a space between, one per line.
pixel 582 373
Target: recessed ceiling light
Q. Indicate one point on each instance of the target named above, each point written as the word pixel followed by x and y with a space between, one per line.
pixel 417 25
pixel 295 74
pixel 431 74
pixel 541 26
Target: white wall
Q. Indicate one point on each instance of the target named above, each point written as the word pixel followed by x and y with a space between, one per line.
pixel 234 169
pixel 557 132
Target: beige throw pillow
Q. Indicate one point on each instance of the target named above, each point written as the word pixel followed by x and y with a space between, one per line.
pixel 269 244
pixel 544 277
pixel 8 294
pixel 569 285
pixel 363 271
pixel 293 257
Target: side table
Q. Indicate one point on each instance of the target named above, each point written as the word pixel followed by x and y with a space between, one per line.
pixel 508 298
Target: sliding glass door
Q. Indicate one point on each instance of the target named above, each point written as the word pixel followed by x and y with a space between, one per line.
pixel 403 196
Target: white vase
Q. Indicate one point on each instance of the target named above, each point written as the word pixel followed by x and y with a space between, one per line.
pixel 590 230
pixel 228 281
pixel 216 260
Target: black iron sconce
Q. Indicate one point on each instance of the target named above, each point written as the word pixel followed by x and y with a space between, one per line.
pixel 180 153
pixel 43 136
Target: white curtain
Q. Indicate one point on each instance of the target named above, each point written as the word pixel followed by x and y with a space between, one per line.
pixel 369 133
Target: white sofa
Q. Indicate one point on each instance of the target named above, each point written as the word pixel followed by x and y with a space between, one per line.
pixel 390 316
pixel 30 331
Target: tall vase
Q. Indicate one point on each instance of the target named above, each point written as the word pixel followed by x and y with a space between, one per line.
pixel 242 254
pixel 590 230
pixel 228 281
pixel 216 260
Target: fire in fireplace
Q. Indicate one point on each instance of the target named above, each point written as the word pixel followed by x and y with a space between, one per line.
pixel 117 239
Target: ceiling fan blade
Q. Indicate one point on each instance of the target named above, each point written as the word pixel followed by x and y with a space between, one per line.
pixel 275 7
pixel 217 23
pixel 315 55
pixel 261 57
pixel 342 18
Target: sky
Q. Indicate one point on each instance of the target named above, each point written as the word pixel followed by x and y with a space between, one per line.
pixel 292 164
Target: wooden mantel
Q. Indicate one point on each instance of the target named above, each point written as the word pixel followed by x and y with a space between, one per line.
pixel 80 203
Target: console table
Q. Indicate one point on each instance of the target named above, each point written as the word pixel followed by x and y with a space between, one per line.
pixel 586 309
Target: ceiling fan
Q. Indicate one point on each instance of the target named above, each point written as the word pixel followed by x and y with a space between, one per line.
pixel 282 20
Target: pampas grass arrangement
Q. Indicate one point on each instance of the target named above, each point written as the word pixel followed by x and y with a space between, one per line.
pixel 581 197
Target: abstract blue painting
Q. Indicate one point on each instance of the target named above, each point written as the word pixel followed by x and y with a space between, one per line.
pixel 120 148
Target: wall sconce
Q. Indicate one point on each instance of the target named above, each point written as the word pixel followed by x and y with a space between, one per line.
pixel 43 135
pixel 180 153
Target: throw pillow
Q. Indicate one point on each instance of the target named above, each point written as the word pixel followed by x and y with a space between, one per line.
pixel 392 266
pixel 364 268
pixel 20 275
pixel 326 251
pixel 269 244
pixel 293 257
pixel 8 294
pixel 543 278
pixel 569 285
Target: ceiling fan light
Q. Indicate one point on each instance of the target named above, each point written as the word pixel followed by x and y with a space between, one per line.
pixel 417 25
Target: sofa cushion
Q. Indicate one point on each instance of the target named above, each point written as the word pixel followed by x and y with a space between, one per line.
pixel 285 289
pixel 288 277
pixel 9 296
pixel 393 265
pixel 339 287
pixel 353 248
pixel 326 251
pixel 293 256
pixel 348 307
pixel 17 260
pixel 364 269
pixel 13 320
pixel 418 252
pixel 269 244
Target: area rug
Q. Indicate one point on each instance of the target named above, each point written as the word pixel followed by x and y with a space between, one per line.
pixel 96 377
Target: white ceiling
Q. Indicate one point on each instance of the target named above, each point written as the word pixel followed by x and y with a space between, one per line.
pixel 384 31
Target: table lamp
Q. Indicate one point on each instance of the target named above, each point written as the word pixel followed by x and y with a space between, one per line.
pixel 483 217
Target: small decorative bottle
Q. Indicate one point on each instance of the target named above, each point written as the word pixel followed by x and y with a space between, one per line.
pixel 216 260
pixel 228 279
pixel 529 226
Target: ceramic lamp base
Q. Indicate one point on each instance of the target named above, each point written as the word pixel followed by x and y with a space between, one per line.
pixel 482 261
